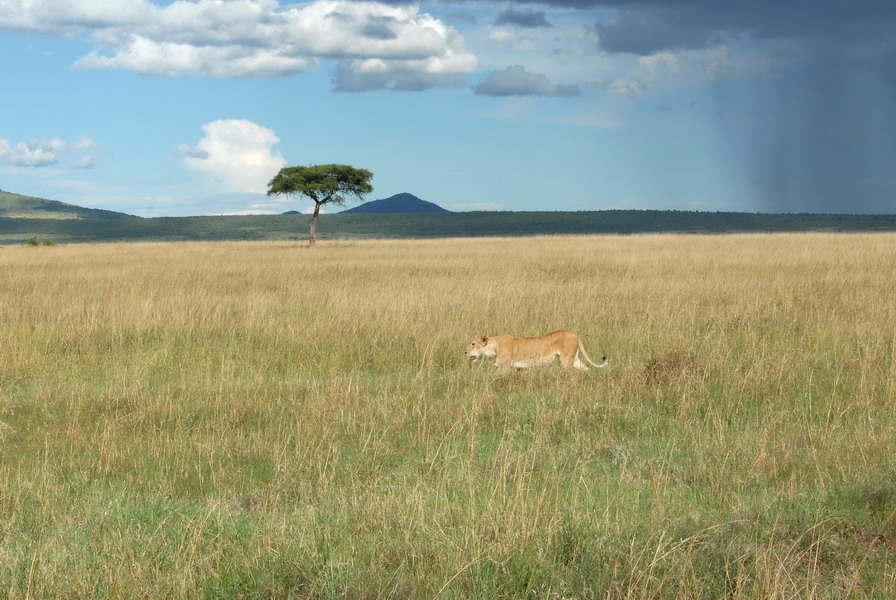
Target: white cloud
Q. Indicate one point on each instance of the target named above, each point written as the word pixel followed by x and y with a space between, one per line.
pixel 594 120
pixel 250 38
pixel 32 154
pixel 68 16
pixel 84 162
pixel 477 206
pixel 626 88
pixel 500 34
pixel 235 156
pixel 172 59
pixel 653 67
pixel 374 73
pixel 42 153
pixel 718 63
pixel 528 40
pixel 191 152
pixel 649 72
pixel 517 81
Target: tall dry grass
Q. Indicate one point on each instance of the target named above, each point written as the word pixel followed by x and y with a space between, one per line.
pixel 258 420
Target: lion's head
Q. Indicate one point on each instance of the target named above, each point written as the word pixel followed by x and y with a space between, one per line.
pixel 478 348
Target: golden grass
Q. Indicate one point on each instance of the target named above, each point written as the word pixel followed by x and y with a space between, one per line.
pixel 261 420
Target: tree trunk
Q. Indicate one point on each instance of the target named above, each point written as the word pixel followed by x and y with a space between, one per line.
pixel 312 226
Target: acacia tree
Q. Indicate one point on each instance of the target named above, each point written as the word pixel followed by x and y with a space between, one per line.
pixel 325 184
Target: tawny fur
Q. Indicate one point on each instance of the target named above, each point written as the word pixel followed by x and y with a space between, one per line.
pixel 512 352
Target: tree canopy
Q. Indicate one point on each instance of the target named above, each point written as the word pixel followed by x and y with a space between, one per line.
pixel 324 184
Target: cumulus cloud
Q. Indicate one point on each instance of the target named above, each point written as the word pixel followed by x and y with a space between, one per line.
pixel 501 35
pixel 250 38
pixel 407 75
pixel 367 75
pixel 70 16
pixel 718 63
pixel 37 153
pixel 517 81
pixel 235 155
pixel 41 153
pixel 150 57
pixel 650 70
pixel 192 152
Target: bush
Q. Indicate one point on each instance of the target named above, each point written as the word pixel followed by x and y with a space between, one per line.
pixel 33 241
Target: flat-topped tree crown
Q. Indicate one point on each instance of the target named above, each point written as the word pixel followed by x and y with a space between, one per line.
pixel 324 184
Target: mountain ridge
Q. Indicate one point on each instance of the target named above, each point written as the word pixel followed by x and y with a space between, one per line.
pixel 403 203
pixel 17 206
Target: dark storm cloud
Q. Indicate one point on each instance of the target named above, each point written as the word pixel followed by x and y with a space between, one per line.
pixel 522 18
pixel 888 68
pixel 647 27
pixel 649 32
pixel 828 140
pixel 825 117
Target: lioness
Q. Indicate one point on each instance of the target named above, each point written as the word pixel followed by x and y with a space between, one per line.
pixel 518 353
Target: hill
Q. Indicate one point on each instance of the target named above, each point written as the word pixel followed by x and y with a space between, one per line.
pixel 398 204
pixel 16 206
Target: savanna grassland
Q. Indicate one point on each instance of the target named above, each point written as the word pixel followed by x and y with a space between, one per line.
pixel 260 420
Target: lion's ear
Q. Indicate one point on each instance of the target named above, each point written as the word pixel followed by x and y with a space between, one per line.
pixel 484 339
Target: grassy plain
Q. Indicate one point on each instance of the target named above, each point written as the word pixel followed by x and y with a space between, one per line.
pixel 260 420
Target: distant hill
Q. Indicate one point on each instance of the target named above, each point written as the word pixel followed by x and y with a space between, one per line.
pixel 15 206
pixel 397 204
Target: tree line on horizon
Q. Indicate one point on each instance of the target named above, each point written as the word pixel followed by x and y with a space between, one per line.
pixel 428 225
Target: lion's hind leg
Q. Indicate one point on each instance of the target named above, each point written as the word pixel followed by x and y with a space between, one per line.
pixel 569 360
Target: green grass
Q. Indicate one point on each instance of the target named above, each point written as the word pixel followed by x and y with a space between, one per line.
pixel 257 420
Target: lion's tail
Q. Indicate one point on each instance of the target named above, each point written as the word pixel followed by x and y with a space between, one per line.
pixel 605 360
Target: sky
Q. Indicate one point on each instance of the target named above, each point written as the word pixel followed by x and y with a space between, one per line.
pixel 190 107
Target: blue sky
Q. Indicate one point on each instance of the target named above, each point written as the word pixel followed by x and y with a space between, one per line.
pixel 170 108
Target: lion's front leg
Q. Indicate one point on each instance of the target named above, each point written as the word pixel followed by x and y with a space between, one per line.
pixel 503 365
